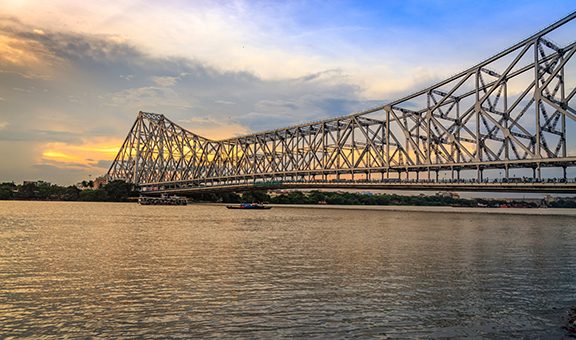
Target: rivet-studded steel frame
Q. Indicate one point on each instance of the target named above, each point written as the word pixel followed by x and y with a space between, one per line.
pixel 509 111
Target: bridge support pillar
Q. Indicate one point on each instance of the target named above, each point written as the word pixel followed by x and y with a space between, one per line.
pixel 437 171
pixel 417 175
pixel 458 174
pixel 537 172
pixel 480 174
pixel 506 171
pixel 564 173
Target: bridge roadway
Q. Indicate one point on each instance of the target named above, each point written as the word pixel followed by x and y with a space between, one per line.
pixel 511 114
pixel 462 185
pixel 453 182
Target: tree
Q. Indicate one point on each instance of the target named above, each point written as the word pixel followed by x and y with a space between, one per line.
pixel 255 196
pixel 93 195
pixel 87 184
pixel 7 191
pixel 27 191
pixel 230 197
pixel 118 190
pixel 71 193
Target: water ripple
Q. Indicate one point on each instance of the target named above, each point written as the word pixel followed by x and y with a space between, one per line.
pixel 126 271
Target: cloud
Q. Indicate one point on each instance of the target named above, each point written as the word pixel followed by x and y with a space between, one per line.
pixel 87 152
pixel 213 128
pixel 98 83
pixel 219 68
pixel 59 174
pixel 103 164
pixel 149 97
pixel 165 81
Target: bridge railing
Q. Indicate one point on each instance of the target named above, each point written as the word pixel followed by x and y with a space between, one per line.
pixel 508 112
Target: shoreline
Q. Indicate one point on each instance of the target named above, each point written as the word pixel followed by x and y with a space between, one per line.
pixel 426 209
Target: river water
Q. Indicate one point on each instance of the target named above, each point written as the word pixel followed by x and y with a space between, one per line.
pixel 123 270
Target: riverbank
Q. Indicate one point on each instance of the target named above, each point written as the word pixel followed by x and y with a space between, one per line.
pixel 430 209
pixel 120 191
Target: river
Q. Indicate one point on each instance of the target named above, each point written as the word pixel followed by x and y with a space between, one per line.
pixel 122 270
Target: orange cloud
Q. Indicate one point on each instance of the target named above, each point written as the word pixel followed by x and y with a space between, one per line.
pixel 89 153
pixel 26 56
pixel 16 51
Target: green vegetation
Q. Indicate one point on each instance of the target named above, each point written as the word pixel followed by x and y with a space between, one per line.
pixel 115 191
pixel 268 184
pixel 563 203
pixel 351 198
pixel 120 191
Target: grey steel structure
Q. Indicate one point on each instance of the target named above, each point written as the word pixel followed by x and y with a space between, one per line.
pixel 508 112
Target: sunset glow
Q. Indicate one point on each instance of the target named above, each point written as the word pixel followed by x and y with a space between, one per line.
pixel 88 153
pixel 75 74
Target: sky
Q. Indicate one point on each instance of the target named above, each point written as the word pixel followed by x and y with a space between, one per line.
pixel 74 74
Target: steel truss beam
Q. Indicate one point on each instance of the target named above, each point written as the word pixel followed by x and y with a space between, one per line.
pixel 507 111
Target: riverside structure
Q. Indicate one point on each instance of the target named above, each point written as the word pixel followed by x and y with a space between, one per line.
pixel 508 115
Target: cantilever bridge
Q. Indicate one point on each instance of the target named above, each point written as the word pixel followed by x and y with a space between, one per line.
pixel 499 125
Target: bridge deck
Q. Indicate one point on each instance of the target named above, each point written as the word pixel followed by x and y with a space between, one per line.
pixel 542 187
pixel 513 113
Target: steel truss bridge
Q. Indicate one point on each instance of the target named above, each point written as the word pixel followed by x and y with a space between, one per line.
pixel 506 117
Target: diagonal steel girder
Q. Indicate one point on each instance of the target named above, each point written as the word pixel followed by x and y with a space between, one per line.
pixel 511 107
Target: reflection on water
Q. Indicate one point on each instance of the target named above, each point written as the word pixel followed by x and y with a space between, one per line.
pixel 116 270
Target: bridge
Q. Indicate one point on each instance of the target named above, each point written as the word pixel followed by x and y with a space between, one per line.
pixel 500 125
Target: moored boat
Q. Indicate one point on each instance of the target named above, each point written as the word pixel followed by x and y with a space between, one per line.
pixel 249 206
pixel 162 200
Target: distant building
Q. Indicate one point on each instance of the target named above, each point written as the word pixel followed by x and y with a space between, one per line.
pixel 447 194
pixel 100 182
pixel 549 199
pixel 92 184
pixel 517 202
pixel 33 182
pixel 275 193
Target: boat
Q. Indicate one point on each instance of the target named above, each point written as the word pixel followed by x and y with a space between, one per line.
pixel 249 206
pixel 162 200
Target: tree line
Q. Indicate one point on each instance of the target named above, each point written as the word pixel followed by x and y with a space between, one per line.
pixel 120 191
pixel 355 198
pixel 115 191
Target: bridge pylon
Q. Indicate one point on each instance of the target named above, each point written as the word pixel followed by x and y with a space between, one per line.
pixel 510 113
